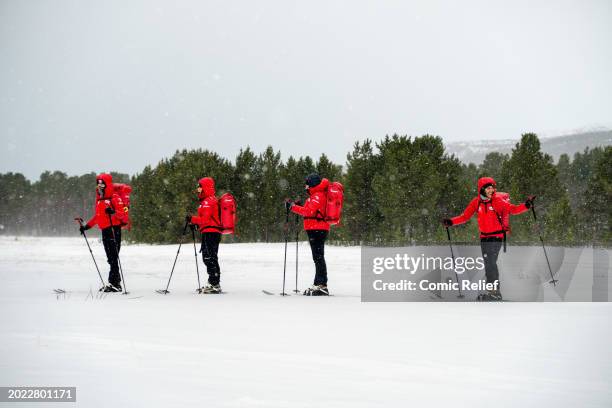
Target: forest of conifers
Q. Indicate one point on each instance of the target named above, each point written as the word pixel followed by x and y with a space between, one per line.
pixel 396 192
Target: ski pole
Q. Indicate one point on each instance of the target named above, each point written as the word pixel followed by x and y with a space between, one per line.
pixel 450 243
pixel 125 292
pixel 165 291
pixel 80 221
pixel 535 219
pixel 286 243
pixel 195 252
pixel 297 237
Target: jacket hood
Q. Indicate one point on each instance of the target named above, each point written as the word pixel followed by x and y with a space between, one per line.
pixel 484 181
pixel 322 186
pixel 208 187
pixel 108 181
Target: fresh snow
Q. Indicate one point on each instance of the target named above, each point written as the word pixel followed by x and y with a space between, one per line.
pixel 247 349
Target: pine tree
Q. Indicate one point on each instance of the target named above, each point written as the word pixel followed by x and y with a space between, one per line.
pixel 326 169
pixel 361 213
pixel 531 172
pixel 164 195
pixel 15 191
pixel 271 215
pixel 410 187
pixel 597 210
pixel 244 186
pixel 492 166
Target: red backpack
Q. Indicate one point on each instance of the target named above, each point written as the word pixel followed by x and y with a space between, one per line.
pixel 335 199
pixel 504 217
pixel 227 213
pixel 123 191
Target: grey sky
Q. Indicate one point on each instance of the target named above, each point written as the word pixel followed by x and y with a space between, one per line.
pixel 92 85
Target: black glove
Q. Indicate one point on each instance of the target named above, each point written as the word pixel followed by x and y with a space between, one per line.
pixel 188 219
pixel 288 204
pixel 109 211
pixel 83 228
pixel 447 222
pixel 529 201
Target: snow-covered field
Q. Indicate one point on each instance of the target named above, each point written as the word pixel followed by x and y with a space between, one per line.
pixel 247 349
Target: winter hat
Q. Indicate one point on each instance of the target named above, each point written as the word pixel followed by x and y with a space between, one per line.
pixel 313 180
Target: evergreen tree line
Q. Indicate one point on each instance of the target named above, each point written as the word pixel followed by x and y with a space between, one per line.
pixel 396 192
pixel 48 206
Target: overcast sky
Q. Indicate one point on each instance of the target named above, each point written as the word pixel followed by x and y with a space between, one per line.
pixel 101 85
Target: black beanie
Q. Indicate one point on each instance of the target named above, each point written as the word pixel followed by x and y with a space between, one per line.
pixel 313 180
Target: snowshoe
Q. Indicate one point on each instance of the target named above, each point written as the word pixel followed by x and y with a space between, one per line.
pixel 317 290
pixel 210 289
pixel 112 288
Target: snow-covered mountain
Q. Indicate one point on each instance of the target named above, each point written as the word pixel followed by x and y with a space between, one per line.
pixel 475 152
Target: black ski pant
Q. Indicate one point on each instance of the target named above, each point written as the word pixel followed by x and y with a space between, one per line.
pixel 317 246
pixel 490 250
pixel 112 245
pixel 210 249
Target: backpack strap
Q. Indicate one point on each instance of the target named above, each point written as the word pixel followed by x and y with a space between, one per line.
pixel 212 226
pixel 321 218
pixel 218 220
pixel 501 222
pixel 499 219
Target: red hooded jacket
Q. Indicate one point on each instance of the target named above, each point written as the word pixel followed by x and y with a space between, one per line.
pixel 490 212
pixel 110 199
pixel 207 219
pixel 313 210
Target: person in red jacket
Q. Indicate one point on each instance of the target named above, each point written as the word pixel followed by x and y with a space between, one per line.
pixel 492 211
pixel 316 227
pixel 110 214
pixel 209 224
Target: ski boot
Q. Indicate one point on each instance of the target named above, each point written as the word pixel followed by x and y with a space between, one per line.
pixel 210 289
pixel 317 290
pixel 490 296
pixel 483 297
pixel 112 288
pixel 495 295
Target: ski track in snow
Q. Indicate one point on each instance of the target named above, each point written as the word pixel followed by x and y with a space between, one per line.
pixel 247 349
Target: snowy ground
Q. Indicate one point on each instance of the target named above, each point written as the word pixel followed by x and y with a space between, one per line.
pixel 247 349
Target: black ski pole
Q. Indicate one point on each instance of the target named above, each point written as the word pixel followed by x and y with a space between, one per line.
pixel 535 219
pixel 286 243
pixel 80 221
pixel 450 243
pixel 195 252
pixel 125 292
pixel 297 237
pixel 165 291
